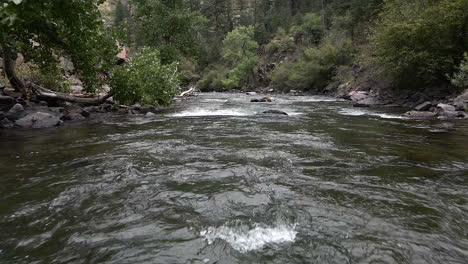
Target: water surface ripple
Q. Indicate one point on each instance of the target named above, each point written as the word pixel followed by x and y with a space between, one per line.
pixel 210 181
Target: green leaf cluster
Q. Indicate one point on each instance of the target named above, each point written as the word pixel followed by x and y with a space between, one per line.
pixel 420 39
pixel 45 30
pixel 169 26
pixel 240 52
pixel 145 80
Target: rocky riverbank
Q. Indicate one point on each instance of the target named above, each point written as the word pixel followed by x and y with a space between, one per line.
pixel 20 113
pixel 446 108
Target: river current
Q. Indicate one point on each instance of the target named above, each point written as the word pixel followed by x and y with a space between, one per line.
pixel 210 181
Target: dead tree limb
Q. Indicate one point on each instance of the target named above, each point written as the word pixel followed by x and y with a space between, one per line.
pixel 46 94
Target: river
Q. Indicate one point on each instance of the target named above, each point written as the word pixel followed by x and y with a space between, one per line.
pixel 210 181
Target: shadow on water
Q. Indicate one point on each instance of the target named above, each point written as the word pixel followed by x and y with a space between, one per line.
pixel 210 181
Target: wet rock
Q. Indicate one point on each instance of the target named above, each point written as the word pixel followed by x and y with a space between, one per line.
pixel 23 102
pixel 136 107
pixel 451 114
pixel 150 114
pixel 73 117
pixel 446 107
pixel 43 103
pixel 273 112
pixel 11 92
pixel 72 110
pixel 251 93
pixel 360 105
pixel 16 112
pixel 423 107
pixel 420 114
pixel 358 95
pixel 6 123
pixel 91 109
pixel 6 102
pixel 38 120
pixel 262 100
pixel 104 108
pixel 132 112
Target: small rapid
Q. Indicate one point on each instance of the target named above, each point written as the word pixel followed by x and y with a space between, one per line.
pixel 210 180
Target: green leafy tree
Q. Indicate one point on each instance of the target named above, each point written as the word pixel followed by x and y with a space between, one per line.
pixel 240 51
pixel 145 80
pixel 420 40
pixel 460 78
pixel 169 26
pixel 44 30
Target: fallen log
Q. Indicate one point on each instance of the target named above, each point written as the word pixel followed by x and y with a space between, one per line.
pixel 189 92
pixel 47 95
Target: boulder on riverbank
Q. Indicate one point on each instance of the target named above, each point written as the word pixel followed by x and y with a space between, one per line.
pixel 38 120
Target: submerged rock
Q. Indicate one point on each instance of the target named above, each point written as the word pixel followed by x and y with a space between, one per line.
pixel 150 114
pixel 273 112
pixel 73 117
pixel 420 114
pixel 266 99
pixel 38 120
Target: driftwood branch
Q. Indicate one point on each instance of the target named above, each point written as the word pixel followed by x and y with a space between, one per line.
pixel 46 94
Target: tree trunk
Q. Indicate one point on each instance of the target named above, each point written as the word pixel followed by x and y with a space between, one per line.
pixel 9 64
pixel 47 94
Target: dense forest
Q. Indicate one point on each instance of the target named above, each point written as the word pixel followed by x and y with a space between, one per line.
pixel 308 45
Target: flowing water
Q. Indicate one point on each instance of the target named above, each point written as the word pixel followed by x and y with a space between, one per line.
pixel 209 181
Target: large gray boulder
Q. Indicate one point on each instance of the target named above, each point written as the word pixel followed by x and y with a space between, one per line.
pixel 446 107
pixel 358 96
pixel 16 112
pixel 38 120
pixel 451 114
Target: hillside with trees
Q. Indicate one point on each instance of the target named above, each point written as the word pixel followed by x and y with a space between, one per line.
pixel 220 45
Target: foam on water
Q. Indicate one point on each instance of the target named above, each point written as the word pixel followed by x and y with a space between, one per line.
pixel 318 99
pixel 358 112
pixel 253 239
pixel 212 112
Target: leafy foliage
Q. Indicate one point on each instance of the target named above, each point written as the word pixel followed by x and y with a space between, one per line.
pixel 44 30
pixel 422 39
pixel 240 51
pixel 169 26
pixel 460 78
pixel 145 80
pixel 314 69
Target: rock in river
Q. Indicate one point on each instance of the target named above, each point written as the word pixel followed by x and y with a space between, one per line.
pixel 262 100
pixel 273 112
pixel 16 112
pixel 420 114
pixel 38 120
